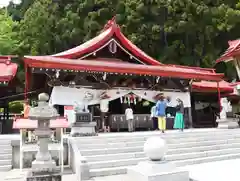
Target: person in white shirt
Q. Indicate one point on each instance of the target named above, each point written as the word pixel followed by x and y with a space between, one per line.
pixel 104 106
pixel 154 118
pixel 129 118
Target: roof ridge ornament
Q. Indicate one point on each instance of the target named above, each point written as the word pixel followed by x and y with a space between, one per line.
pixel 110 23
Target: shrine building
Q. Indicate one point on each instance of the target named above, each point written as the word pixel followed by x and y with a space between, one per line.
pixel 110 67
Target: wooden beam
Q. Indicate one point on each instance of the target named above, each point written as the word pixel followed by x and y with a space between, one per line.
pixel 179 85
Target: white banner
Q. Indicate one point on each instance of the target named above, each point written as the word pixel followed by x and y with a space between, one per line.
pixel 67 96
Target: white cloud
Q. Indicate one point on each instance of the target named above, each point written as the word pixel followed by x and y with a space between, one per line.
pixel 5 2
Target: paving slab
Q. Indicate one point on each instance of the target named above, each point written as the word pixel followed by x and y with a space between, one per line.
pixel 215 171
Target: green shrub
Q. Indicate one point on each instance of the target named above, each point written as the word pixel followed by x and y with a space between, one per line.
pixel 16 107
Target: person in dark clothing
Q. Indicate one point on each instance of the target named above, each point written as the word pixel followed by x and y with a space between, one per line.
pixel 179 121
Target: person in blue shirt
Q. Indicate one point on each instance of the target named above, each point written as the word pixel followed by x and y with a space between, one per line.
pixel 161 113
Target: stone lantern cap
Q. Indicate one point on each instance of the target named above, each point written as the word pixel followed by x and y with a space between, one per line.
pixel 43 111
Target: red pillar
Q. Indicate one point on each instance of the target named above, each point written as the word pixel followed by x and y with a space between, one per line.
pixel 26 81
pixel 219 96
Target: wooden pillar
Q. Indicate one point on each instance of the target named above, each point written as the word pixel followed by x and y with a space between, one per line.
pixel 192 108
pixel 219 96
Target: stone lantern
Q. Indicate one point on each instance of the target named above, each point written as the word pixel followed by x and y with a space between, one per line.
pixel 43 167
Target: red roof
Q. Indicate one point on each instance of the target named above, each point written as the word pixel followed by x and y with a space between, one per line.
pixel 233 50
pixel 8 69
pixel 70 58
pixel 111 29
pixel 24 123
pixel 121 67
pixel 207 86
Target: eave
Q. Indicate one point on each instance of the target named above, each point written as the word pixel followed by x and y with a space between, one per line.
pixel 49 62
pixel 8 69
pixel 207 86
pixel 232 51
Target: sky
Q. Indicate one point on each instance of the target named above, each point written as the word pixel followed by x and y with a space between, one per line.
pixel 5 2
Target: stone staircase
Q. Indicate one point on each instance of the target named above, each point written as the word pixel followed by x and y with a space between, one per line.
pixel 111 154
pixel 5 154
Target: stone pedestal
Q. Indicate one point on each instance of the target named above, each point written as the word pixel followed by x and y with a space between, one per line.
pixel 44 177
pixel 83 125
pixel 228 123
pixel 83 129
pixel 156 171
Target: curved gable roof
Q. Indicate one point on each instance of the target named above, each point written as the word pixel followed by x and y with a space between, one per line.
pixel 233 50
pixel 110 29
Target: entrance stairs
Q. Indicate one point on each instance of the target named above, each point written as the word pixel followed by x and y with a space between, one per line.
pixel 5 154
pixel 111 153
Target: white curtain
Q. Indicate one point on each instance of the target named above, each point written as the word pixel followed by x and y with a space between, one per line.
pixel 67 96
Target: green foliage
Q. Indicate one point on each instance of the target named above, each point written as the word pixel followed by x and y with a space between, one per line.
pixel 8 37
pixel 16 107
pixel 183 32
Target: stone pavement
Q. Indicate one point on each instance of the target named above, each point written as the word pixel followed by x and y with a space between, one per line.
pixel 214 171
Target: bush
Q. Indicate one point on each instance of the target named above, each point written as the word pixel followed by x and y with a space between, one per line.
pixel 16 107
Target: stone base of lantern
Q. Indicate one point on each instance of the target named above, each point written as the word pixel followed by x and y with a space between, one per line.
pixel 46 166
pixel 228 123
pixel 157 170
pixel 44 171
pixel 83 129
pixel 45 177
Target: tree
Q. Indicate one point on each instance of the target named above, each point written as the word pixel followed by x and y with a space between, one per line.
pixel 183 32
pixel 8 37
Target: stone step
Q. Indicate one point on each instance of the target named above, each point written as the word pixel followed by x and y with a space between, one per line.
pixel 132 142
pixel 185 144
pixel 5 156
pixel 4 168
pixel 123 169
pixel 134 161
pixel 5 147
pixel 6 151
pixel 130 155
pixel 5 162
pixel 144 135
pixel 168 138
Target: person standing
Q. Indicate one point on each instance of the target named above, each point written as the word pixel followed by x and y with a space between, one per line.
pixel 154 118
pixel 179 121
pixel 161 113
pixel 104 106
pixel 129 118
